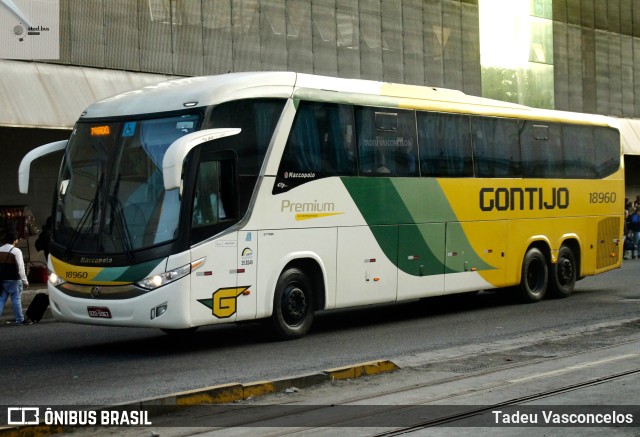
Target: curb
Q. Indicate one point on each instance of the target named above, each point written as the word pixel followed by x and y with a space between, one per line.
pixel 222 394
pixel 226 393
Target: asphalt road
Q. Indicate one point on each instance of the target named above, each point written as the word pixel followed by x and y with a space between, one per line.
pixel 54 363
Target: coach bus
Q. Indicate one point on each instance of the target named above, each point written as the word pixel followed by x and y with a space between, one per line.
pixel 274 195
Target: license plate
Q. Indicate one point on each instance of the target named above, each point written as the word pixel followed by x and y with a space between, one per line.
pixel 99 312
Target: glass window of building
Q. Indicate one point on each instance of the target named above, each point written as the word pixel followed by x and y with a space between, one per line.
pixel 516 51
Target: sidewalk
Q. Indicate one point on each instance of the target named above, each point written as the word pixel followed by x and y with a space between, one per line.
pixel 27 296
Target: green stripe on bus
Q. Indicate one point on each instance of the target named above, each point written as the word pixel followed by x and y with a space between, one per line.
pixel 409 218
pixel 128 274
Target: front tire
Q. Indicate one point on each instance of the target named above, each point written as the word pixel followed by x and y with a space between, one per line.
pixel 535 276
pixel 563 274
pixel 293 307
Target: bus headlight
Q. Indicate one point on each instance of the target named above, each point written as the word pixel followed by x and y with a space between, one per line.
pixel 55 279
pixel 155 281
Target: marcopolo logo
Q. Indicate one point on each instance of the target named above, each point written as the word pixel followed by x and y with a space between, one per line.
pixel 34 26
pixel 293 175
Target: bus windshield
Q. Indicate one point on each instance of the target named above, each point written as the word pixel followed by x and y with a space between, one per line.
pixel 110 196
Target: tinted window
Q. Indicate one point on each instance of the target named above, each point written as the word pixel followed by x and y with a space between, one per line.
pixel 445 144
pixel 579 151
pixel 322 140
pixel 607 159
pixel 542 154
pixel 321 144
pixel 387 142
pixel 496 147
pixel 257 118
pixel 214 198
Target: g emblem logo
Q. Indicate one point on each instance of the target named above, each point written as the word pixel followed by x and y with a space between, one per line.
pixel 223 302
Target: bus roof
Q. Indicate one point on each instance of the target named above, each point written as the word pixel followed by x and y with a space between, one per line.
pixel 179 94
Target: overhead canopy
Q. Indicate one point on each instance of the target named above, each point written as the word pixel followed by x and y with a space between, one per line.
pixel 50 96
pixel 629 135
pixel 35 94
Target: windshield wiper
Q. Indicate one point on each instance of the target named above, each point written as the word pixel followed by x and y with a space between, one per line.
pixel 83 219
pixel 117 217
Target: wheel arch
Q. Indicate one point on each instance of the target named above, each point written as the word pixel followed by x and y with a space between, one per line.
pixel 311 264
pixel 317 275
pixel 574 245
pixel 543 245
pixel 539 242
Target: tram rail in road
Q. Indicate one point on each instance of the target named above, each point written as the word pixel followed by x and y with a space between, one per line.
pixel 592 335
pixel 544 379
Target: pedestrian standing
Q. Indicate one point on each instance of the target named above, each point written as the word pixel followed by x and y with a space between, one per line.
pixel 12 276
pixel 634 226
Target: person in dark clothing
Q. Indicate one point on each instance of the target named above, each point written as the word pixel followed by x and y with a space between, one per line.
pixel 634 226
pixel 12 276
pixel 42 243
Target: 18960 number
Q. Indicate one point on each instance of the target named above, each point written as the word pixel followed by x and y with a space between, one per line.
pixel 602 197
pixel 77 275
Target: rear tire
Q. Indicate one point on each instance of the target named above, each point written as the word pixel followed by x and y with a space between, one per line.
pixel 293 307
pixel 535 277
pixel 563 274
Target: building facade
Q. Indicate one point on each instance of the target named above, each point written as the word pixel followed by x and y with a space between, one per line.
pixel 576 55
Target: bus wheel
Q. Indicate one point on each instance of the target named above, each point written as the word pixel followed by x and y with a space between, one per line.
pixel 563 274
pixel 292 305
pixel 535 276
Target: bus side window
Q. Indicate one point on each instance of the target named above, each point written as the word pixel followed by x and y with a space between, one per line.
pixel 321 144
pixel 387 141
pixel 607 159
pixel 579 151
pixel 541 145
pixel 214 201
pixel 496 147
pixel 258 119
pixel 445 144
pixel 303 152
pixel 208 207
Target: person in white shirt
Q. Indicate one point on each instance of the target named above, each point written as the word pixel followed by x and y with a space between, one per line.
pixel 12 276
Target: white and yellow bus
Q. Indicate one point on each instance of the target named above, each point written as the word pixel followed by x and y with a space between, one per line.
pixel 275 195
